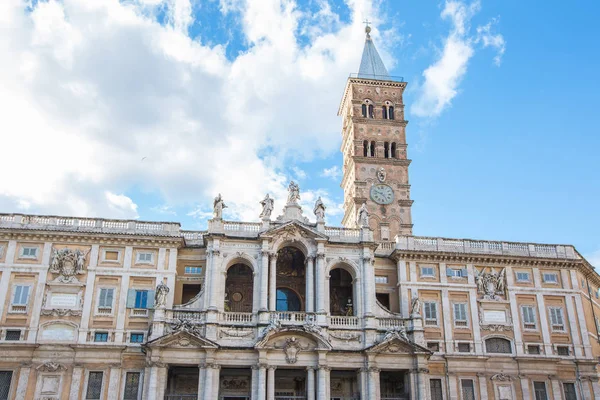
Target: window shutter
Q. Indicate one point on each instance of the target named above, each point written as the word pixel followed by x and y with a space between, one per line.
pixel 25 295
pixel 150 302
pixel 131 298
pixel 17 295
pixel 109 297
pixel 464 272
pixel 102 298
pixel 449 272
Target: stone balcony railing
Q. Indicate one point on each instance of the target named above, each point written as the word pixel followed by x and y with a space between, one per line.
pixel 422 243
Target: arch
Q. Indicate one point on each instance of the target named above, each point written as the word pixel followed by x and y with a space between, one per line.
pixel 341 292
pixel 239 295
pixel 290 274
pixel 393 150
pixel 350 266
pixel 364 110
pixel 498 344
pixel 240 258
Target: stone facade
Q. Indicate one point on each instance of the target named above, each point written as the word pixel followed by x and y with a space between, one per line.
pixel 288 309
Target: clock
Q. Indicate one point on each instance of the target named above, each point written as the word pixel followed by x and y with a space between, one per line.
pixel 382 194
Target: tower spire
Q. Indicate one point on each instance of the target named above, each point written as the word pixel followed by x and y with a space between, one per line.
pixel 371 65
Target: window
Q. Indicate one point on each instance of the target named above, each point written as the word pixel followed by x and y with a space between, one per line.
pixel 5 380
pixel 364 111
pixel 383 299
pixel 433 346
pixel 460 315
pixel 20 299
pixel 464 347
pixel 468 389
pixel 365 148
pixel 456 273
pixel 498 345
pixel 381 279
pixel 111 255
pixel 13 334
pixel 570 393
pixel 523 277
pixel 105 300
pixel 550 278
pixel 556 319
pixel 539 388
pixel 430 310
pixel 562 350
pixel 533 349
pixel 371 111
pixel 136 338
pixel 393 151
pixel 529 321
pixel 144 257
pixel 141 299
pixel 94 385
pixel 101 337
pixel 193 270
pixel 386 150
pixel 391 112
pixel 29 252
pixel 372 148
pixel 287 300
pixel 132 386
pixel 427 272
pixel 435 387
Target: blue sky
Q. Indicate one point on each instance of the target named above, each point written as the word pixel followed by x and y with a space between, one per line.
pixel 146 109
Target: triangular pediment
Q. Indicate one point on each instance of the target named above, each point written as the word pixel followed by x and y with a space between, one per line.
pixel 182 340
pixel 395 343
pixel 293 229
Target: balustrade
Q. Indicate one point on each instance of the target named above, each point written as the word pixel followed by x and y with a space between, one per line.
pixel 388 323
pixel 292 317
pixel 343 322
pixel 237 317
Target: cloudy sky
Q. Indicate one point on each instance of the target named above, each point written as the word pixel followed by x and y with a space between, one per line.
pixel 149 108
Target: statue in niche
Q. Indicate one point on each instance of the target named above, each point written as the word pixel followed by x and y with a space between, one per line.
pixel 67 263
pixel 415 306
pixel 349 308
pixel 363 216
pixel 160 296
pixel 218 206
pixel 381 174
pixel 293 193
pixel 491 284
pixel 319 210
pixel 267 205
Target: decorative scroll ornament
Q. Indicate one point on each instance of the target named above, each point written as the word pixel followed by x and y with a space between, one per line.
pixel 292 348
pixel 491 284
pixel 61 312
pixel 346 336
pixel 496 327
pixel 67 264
pixel 311 327
pixel 274 326
pixel 235 333
pixel 51 366
pixel 501 377
pixel 185 325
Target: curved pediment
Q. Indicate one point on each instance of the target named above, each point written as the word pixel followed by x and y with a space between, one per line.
pixel 182 339
pixel 298 336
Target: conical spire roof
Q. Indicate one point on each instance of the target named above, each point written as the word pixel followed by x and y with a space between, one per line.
pixel 371 65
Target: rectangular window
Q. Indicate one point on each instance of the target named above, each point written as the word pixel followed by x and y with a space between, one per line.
pixel 460 315
pixel 29 252
pixel 136 338
pixel 141 299
pixel 13 334
pixel 464 347
pixel 570 393
pixel 435 387
pixel 105 300
pixel 21 295
pixel 132 386
pixel 5 380
pixel 456 273
pixel 539 388
pixel 523 277
pixel 111 255
pixel 427 272
pixel 193 270
pixel 430 310
pixel 562 350
pixel 101 337
pixel 533 349
pixel 144 257
pixel 433 346
pixel 468 389
pixel 381 279
pixel 94 385
pixel 529 321
pixel 556 319
pixel 550 277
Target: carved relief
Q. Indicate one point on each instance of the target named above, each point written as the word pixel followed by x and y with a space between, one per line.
pixel 236 333
pixel 292 348
pixel 491 284
pixel 501 377
pixel 346 336
pixel 184 325
pixel 51 366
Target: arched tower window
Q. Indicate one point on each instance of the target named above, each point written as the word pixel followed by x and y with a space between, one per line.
pixel 388 110
pixel 372 149
pixel 341 300
pixel 364 111
pixel 384 112
pixel 393 152
pixel 238 288
pixel 391 112
pixel 365 148
pixel 386 150
pixel 368 109
pixel 371 111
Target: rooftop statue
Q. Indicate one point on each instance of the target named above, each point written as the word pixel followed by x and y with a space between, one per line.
pixel 267 205
pixel 293 193
pixel 218 206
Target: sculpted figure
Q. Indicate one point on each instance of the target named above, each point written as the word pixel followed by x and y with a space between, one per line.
pixel 415 306
pixel 293 193
pixel 319 210
pixel 218 206
pixel 363 217
pixel 80 261
pixel 267 205
pixel 160 297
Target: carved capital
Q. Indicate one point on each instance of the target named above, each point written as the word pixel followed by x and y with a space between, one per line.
pixel 320 256
pixel 272 367
pixel 311 368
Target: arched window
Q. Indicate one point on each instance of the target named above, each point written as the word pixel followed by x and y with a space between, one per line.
pixel 366 148
pixel 393 153
pixel 371 111
pixel 340 292
pixel 391 112
pixel 384 113
pixel 372 149
pixel 238 288
pixel 386 150
pixel 364 111
pixel 287 300
pixel 498 345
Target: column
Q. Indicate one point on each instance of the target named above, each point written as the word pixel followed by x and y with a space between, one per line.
pixel 403 292
pixel 89 293
pixel 254 395
pixel 320 281
pixel 323 382
pixel 24 373
pixel 358 297
pixel 310 283
pixel 214 280
pixel 483 391
pixel 208 383
pixel 113 383
pixel 216 380
pixel 310 383
pixel 369 285
pixel 264 279
pixel 273 282
pixel 201 379
pixel 364 383
pixel 207 280
pixel 373 383
pixel 271 383
pixel 75 383
pixel 262 382
pixel 525 387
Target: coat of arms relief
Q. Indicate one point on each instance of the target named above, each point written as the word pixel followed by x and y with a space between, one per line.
pixel 67 264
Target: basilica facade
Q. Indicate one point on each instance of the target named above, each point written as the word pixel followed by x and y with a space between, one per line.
pixel 288 309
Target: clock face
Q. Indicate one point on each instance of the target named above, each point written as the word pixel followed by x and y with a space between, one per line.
pixel 382 194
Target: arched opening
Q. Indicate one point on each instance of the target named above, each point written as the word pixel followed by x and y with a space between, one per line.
pixel 364 111
pixel 291 280
pixel 498 345
pixel 371 111
pixel 366 148
pixel 393 152
pixel 386 150
pixel 372 149
pixel 239 286
pixel 341 299
pixel 384 112
pixel 391 112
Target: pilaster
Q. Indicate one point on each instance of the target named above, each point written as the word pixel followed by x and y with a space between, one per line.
pixel 113 383
pixel 310 383
pixel 89 293
pixel 264 279
pixel 403 292
pixel 273 282
pixel 271 382
pixel 22 383
pixel 320 275
pixel 310 283
pixel 75 383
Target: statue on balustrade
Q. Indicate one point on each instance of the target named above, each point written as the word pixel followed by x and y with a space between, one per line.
pixel 319 210
pixel 267 205
pixel 218 206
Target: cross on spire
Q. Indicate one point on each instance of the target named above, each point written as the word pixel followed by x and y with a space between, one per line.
pixel 367 28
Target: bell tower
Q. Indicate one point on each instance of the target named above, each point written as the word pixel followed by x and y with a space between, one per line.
pixel 375 169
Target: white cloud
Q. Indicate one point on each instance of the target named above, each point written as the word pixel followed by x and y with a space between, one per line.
pixel 443 77
pixel 90 88
pixel 299 173
pixel 164 209
pixel 334 172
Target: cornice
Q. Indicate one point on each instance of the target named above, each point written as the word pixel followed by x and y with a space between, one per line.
pixel 359 119
pixel 378 160
pixel 89 238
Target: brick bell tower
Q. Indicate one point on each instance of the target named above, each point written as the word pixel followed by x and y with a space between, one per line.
pixel 375 169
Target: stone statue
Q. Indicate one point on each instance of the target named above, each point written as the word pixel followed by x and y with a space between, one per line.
pixel 381 174
pixel 319 210
pixel 490 284
pixel 160 297
pixel 293 193
pixel 415 306
pixel 218 206
pixel 362 219
pixel 349 308
pixel 267 205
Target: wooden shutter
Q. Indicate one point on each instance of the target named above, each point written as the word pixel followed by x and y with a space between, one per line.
pixel 131 298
